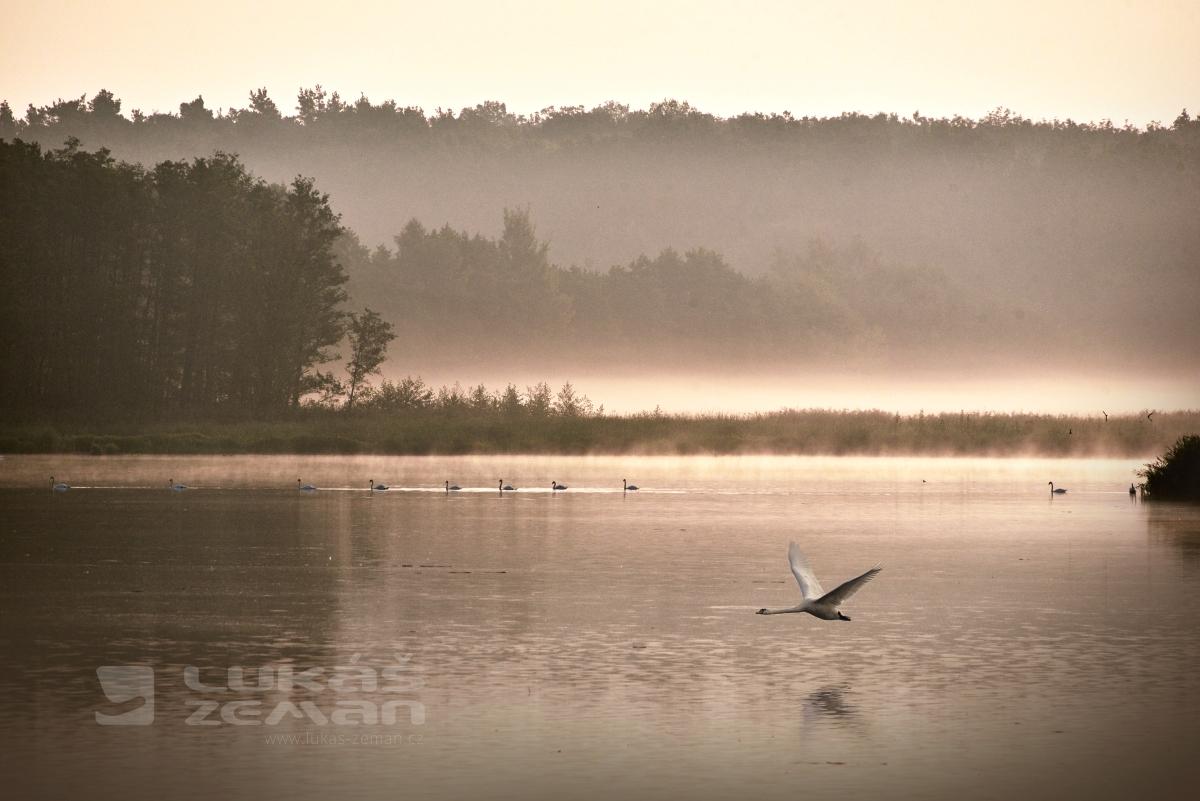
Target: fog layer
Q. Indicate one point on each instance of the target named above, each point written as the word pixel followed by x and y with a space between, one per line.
pixel 616 242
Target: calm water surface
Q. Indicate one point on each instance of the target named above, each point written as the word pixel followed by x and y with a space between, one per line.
pixel 592 644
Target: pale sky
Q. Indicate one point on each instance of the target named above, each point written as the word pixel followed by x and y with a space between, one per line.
pixel 1135 61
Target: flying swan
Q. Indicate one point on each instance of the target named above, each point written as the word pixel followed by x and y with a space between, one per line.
pixel 817 602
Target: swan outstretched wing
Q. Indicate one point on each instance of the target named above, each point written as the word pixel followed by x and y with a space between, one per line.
pixel 842 593
pixel 810 588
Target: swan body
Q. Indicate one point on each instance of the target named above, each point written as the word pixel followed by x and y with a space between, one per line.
pixel 452 487
pixel 1132 490
pixel 378 487
pixel 554 485
pixel 817 602
pixel 506 487
pixel 176 487
pixel 1059 491
pixel 305 487
pixel 58 486
pixel 629 487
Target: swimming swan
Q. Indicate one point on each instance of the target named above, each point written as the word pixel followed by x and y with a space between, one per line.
pixel 304 487
pixel 554 485
pixel 59 486
pixel 629 487
pixel 452 487
pixel 817 602
pixel 1054 491
pixel 378 487
pixel 506 487
pixel 176 487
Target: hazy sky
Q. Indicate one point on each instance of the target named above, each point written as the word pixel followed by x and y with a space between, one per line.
pixel 1136 61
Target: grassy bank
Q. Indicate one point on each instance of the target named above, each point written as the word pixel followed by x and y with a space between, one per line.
pixel 791 432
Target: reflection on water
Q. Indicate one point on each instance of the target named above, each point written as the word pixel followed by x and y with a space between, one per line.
pixel 1178 526
pixel 591 643
pixel 830 705
pixel 830 702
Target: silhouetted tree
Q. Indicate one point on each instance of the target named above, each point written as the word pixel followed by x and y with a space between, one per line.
pixel 193 286
pixel 369 336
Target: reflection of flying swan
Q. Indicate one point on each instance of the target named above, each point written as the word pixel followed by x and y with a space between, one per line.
pixel 817 602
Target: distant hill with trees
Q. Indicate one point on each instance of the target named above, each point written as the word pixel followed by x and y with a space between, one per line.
pixel 669 235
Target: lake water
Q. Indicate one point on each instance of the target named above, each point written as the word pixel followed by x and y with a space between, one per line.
pixel 590 643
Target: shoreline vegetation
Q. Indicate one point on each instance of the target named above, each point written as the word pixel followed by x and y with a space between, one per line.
pixel 493 431
pixel 1175 476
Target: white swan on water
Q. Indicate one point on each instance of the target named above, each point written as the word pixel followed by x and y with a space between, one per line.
pixel 58 486
pixel 452 487
pixel 378 487
pixel 506 487
pixel 176 487
pixel 1059 491
pixel 629 487
pixel 554 485
pixel 817 602
pixel 305 487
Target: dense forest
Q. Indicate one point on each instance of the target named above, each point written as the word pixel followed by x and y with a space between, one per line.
pixel 989 234
pixel 475 300
pixel 572 241
pixel 138 293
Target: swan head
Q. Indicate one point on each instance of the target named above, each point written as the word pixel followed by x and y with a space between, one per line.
pixel 842 617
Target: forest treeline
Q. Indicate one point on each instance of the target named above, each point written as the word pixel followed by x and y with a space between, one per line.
pixel 140 293
pixel 476 300
pixel 1082 233
pixel 326 117
pixel 196 287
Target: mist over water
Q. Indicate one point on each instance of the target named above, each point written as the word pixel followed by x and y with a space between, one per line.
pixel 597 644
